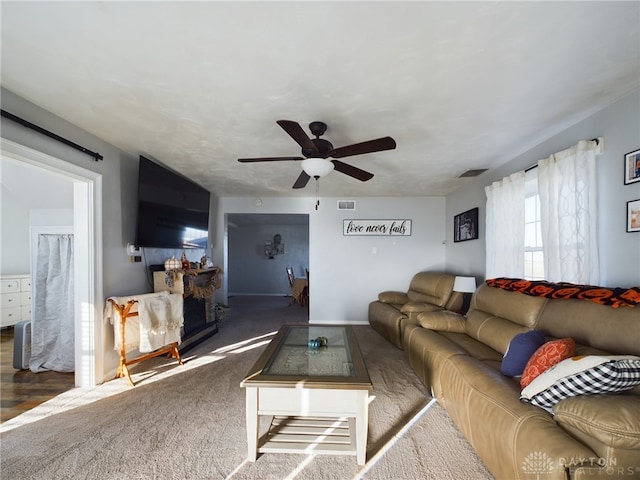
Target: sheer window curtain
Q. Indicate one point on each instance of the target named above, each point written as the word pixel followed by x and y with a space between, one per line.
pixel 52 322
pixel 567 189
pixel 505 227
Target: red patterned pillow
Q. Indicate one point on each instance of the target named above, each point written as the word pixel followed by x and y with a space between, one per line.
pixel 546 357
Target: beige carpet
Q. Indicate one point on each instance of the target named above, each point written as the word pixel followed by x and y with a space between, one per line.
pixel 187 422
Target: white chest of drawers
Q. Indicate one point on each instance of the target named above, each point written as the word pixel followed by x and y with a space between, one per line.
pixel 15 293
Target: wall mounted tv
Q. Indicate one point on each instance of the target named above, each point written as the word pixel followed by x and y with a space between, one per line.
pixel 173 211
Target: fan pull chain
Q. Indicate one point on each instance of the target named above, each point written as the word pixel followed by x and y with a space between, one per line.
pixel 317 193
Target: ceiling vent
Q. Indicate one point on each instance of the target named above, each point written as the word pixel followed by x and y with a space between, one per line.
pixel 346 205
pixel 472 173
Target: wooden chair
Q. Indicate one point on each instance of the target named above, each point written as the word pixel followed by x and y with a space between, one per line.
pixel 297 295
pixel 290 275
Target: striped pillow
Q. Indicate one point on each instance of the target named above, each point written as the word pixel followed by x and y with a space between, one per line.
pixel 608 377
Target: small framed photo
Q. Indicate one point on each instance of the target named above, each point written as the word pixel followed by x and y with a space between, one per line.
pixel 632 167
pixel 633 216
pixel 465 225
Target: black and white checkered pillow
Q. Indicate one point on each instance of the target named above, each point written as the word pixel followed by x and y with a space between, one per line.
pixel 608 377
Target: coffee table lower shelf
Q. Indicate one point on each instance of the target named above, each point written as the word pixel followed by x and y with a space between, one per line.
pixel 292 408
pixel 310 435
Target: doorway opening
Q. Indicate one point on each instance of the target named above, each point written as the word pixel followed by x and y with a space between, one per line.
pixel 253 267
pixel 87 230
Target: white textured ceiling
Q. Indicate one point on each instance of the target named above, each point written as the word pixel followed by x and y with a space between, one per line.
pixel 196 85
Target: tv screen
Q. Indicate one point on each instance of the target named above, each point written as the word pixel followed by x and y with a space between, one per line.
pixel 173 211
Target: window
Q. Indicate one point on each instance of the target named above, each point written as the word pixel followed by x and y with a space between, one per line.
pixel 533 254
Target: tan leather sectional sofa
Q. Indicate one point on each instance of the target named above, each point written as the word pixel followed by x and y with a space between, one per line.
pixel 459 359
pixel 428 291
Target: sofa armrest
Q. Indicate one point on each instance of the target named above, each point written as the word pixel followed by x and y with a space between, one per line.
pixel 418 307
pixel 443 321
pixel 607 419
pixel 396 298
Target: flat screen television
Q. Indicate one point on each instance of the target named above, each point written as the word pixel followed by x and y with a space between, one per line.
pixel 173 211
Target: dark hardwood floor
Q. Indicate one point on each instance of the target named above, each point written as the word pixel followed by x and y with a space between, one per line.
pixel 21 390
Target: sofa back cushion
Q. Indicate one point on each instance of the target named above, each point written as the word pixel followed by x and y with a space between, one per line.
pixel 431 287
pixel 496 316
pixel 613 330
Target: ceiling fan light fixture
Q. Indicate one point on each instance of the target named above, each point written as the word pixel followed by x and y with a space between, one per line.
pixel 317 167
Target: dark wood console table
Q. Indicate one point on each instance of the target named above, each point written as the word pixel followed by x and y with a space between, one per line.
pixel 198 289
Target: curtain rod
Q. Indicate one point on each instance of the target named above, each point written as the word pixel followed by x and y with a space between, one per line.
pixel 536 165
pixel 38 129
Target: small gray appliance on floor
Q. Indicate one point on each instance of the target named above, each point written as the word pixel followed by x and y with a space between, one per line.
pixel 22 345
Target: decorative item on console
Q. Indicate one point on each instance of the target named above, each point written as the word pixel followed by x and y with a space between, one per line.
pixel 185 261
pixel 172 264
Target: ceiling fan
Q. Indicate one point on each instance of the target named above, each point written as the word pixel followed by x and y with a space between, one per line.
pixel 317 153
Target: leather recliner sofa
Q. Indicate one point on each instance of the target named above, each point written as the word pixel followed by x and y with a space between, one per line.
pixel 428 291
pixel 459 358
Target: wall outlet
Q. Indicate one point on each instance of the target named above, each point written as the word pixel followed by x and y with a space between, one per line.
pixel 132 250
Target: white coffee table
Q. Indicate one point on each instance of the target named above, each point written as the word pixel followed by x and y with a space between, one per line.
pixel 318 398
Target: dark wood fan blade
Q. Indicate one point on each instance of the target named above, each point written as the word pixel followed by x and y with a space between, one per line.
pixel 377 145
pixel 269 159
pixel 302 180
pixel 352 171
pixel 296 132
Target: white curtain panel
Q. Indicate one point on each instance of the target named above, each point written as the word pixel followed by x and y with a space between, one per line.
pixel 52 322
pixel 505 227
pixel 567 189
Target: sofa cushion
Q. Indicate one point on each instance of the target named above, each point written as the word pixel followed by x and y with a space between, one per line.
pixel 547 356
pixel 431 287
pixel 520 350
pixel 609 419
pixel 442 320
pixel 523 310
pixel 608 377
pixel 398 298
pixel 613 330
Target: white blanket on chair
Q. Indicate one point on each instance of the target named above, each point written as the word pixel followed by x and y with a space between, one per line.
pixel 159 321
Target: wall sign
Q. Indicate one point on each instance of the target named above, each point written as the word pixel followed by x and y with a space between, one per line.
pixel 383 228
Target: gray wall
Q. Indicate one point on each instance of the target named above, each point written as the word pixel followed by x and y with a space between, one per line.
pixel 348 272
pixel 619 124
pixel 251 272
pixel 120 176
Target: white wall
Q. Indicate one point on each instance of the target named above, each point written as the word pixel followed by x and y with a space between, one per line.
pixel 346 274
pixel 14 245
pixel 25 189
pixel 619 124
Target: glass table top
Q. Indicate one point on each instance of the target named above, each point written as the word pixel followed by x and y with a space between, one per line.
pixel 290 359
pixel 296 357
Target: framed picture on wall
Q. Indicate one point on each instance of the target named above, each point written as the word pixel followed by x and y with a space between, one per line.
pixel 633 216
pixel 465 225
pixel 632 167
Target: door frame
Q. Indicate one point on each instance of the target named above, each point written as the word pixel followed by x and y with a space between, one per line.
pixel 87 230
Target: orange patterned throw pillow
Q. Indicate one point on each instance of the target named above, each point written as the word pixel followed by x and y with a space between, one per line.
pixel 546 357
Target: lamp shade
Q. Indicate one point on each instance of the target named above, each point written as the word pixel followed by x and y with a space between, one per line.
pixel 317 167
pixel 464 284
